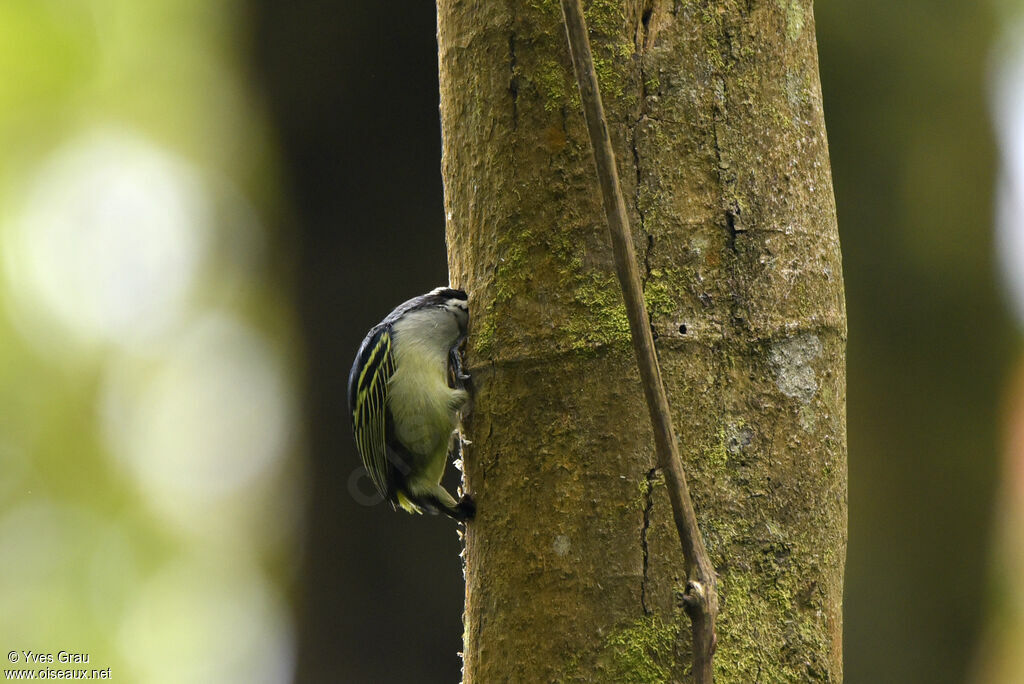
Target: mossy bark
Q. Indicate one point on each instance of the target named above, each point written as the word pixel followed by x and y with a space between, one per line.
pixel 573 565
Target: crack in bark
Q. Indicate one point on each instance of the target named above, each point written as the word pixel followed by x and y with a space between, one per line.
pixel 648 507
pixel 693 336
pixel 730 224
pixel 642 34
pixel 636 205
pixel 726 175
pixel 643 30
pixel 513 81
pixel 726 178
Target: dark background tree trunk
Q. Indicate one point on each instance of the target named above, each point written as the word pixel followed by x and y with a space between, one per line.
pixel 573 566
pixel 354 95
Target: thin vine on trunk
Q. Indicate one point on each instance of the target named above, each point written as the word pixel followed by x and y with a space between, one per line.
pixel 701 596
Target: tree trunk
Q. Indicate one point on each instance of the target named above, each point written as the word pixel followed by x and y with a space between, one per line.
pixel 573 566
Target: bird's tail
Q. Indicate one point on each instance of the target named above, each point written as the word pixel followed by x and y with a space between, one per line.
pixel 407 504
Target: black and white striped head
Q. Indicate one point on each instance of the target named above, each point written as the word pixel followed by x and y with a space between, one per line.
pixel 456 302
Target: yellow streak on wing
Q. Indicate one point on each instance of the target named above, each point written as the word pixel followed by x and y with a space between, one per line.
pixel 370 413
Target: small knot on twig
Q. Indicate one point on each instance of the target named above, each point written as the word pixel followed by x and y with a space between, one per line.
pixel 695 602
pixel 694 597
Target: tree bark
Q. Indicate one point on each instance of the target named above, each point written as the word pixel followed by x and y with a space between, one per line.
pixel 573 567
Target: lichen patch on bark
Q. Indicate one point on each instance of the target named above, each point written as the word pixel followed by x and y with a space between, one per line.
pixel 793 359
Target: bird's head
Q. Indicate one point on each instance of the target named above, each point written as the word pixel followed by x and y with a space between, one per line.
pixel 456 302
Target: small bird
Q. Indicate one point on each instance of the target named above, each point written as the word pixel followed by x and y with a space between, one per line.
pixel 405 391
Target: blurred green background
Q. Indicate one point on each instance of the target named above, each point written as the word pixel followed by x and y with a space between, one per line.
pixel 204 204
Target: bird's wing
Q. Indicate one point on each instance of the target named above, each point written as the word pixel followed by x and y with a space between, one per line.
pixel 368 395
